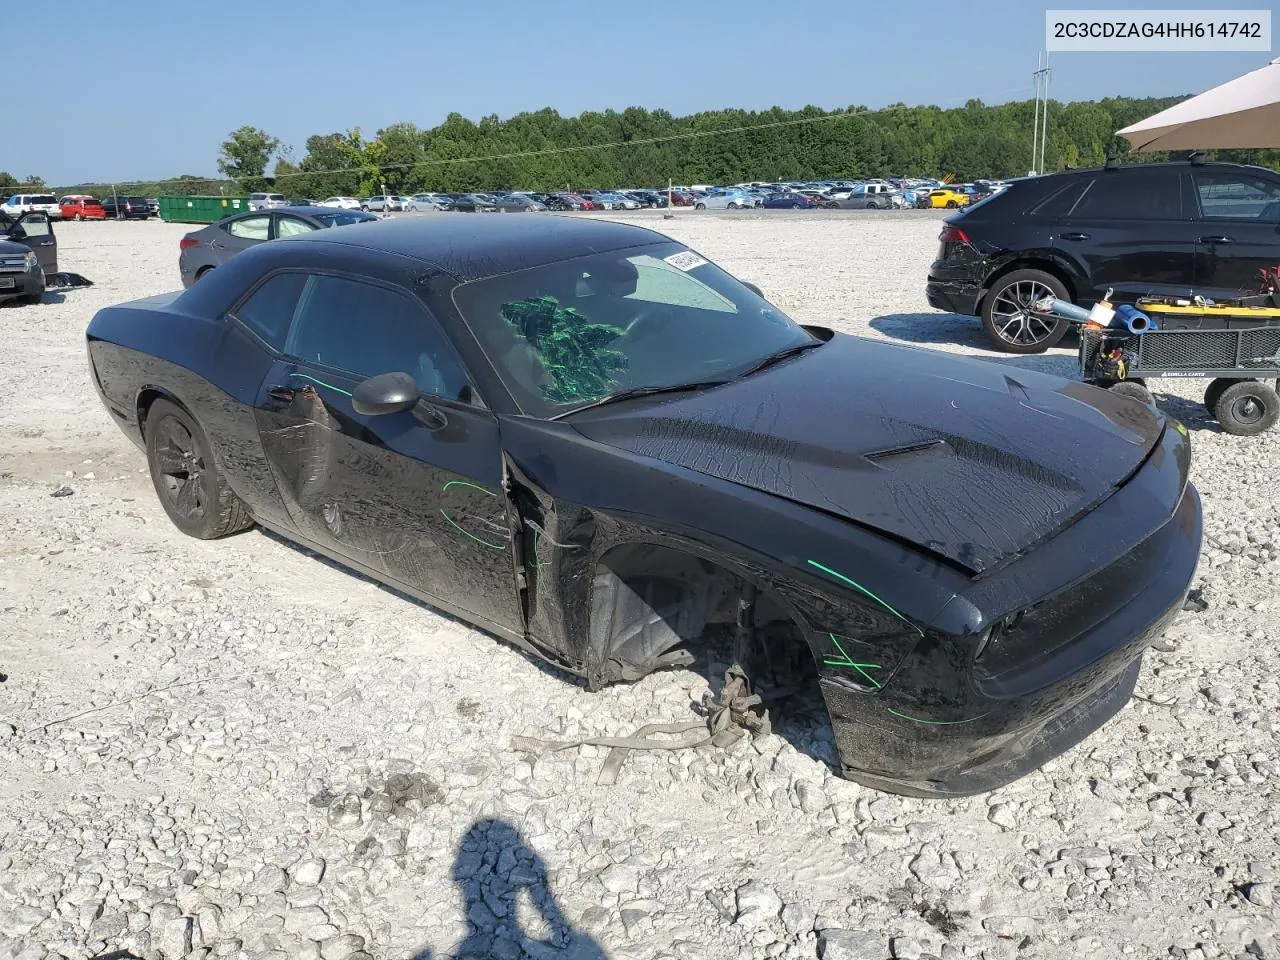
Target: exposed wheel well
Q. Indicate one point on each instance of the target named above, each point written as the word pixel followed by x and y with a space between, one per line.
pixel 654 606
pixel 149 396
pixel 1048 266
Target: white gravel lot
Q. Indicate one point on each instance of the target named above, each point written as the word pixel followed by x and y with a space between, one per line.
pixel 235 749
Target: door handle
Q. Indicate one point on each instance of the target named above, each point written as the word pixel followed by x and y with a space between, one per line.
pixel 46 243
pixel 1214 240
pixel 1074 236
pixel 283 394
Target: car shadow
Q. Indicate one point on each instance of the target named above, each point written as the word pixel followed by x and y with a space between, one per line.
pixel 48 298
pixel 550 669
pixel 510 909
pixel 944 328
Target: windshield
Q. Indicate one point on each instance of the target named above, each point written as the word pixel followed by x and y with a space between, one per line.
pixel 566 334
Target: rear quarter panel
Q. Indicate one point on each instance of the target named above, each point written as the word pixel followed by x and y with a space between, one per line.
pixel 210 367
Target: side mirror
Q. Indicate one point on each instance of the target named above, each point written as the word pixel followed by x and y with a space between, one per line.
pixel 385 393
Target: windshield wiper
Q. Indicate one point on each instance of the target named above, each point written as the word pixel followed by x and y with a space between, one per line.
pixel 784 354
pixel 633 392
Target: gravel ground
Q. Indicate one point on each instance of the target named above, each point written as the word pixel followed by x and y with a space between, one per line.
pixel 234 749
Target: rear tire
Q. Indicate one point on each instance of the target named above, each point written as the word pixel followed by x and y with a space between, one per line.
pixel 1007 320
pixel 1247 408
pixel 191 488
pixel 699 206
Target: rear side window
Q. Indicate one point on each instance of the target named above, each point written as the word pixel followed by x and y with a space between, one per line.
pixel 1060 201
pixel 1237 196
pixel 1154 194
pixel 269 310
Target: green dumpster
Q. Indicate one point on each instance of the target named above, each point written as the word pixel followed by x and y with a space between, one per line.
pixel 197 209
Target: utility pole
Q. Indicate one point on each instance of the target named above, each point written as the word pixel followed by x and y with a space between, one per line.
pixel 1040 123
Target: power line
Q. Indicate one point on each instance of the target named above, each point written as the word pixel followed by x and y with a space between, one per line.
pixel 864 114
pixel 549 151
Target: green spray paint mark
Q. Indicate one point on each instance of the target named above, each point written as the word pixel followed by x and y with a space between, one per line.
pixel 467 483
pixel 857 586
pixel 463 530
pixel 847 661
pixel 934 723
pixel 303 376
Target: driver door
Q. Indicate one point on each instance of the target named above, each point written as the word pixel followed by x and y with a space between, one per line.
pixel 416 496
pixel 35 230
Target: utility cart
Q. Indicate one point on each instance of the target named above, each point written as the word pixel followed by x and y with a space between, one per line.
pixel 1235 346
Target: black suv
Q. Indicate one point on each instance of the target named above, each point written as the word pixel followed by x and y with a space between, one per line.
pixel 127 208
pixel 1169 229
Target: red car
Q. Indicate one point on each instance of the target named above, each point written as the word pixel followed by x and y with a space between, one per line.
pixel 82 208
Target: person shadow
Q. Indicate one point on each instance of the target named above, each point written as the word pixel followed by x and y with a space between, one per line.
pixel 493 868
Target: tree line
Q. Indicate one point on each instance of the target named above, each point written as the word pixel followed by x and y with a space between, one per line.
pixel 638 147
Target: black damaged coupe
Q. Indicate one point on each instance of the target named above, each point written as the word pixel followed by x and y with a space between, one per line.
pixel 587 439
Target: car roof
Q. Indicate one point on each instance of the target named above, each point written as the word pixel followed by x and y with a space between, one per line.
pixel 1181 164
pixel 471 248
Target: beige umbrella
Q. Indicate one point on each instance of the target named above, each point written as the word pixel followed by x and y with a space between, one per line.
pixel 1241 113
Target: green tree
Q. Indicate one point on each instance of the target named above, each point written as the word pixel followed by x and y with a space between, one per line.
pixel 244 157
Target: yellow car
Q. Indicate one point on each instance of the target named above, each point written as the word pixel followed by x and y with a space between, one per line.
pixel 947 197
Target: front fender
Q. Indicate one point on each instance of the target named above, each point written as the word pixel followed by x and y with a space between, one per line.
pixel 862 601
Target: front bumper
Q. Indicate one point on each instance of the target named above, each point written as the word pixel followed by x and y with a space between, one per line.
pixel 947 724
pixel 25 284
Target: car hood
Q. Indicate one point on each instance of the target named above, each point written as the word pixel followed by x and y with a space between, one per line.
pixel 11 248
pixel 974 461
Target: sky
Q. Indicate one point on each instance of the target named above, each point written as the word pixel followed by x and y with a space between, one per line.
pixel 161 101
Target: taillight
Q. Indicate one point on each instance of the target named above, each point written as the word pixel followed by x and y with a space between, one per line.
pixel 186 243
pixel 952 234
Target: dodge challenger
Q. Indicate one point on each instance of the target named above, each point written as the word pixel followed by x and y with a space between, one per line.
pixel 587 439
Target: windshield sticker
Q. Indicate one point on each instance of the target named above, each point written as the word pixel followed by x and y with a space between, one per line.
pixel 685 260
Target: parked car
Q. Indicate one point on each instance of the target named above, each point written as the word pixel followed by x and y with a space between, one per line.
pixel 871 196
pixel 21 203
pixel 597 199
pixel 202 250
pixel 28 254
pixel 424 202
pixel 648 198
pixel 303 203
pixel 126 208
pixel 518 203
pixel 342 203
pixel 788 201
pixel 620 201
pixel 473 203
pixel 383 203
pixel 510 435
pixel 81 207
pixel 1169 229
pixel 565 201
pixel 948 197
pixel 724 200
pixel 264 201
pixel 153 204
